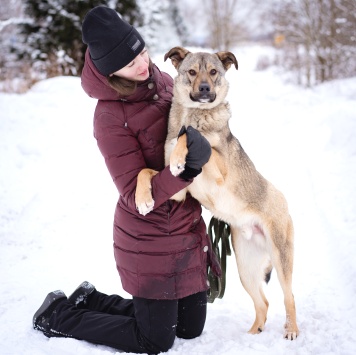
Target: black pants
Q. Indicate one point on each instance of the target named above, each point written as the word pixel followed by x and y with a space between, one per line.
pixel 138 325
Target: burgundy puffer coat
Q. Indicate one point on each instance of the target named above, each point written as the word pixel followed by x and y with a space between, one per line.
pixel 161 255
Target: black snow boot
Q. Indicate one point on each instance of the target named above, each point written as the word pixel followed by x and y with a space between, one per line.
pixel 43 314
pixel 81 293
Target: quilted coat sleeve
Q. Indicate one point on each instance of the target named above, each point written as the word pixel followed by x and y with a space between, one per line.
pixel 124 160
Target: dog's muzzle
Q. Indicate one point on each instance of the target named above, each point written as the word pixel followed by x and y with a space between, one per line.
pixel 204 95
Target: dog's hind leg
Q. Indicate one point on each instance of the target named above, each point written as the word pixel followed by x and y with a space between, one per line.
pixel 282 260
pixel 253 264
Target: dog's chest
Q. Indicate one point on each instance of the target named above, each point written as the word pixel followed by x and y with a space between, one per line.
pixel 205 120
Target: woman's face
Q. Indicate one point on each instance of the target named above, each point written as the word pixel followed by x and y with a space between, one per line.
pixel 137 70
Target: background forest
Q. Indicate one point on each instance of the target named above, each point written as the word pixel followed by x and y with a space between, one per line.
pixel 316 39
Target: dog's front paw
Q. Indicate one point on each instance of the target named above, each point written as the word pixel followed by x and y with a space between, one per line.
pixel 145 207
pixel 144 202
pixel 177 168
pixel 178 156
pixel 177 163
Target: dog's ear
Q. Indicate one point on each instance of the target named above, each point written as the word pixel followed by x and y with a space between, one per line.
pixel 176 55
pixel 227 58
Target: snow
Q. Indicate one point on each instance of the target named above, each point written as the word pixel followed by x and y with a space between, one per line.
pixel 57 205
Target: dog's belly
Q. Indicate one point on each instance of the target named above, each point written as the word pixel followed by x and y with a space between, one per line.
pixel 225 205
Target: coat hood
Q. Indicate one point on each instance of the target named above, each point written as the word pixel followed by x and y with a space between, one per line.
pixel 97 86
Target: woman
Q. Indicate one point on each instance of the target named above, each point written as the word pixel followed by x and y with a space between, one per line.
pixel 161 257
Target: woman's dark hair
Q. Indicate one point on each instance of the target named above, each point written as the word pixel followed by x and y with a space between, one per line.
pixel 122 86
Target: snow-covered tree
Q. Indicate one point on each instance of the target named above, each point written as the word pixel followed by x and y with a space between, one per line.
pixel 161 26
pixel 179 22
pixel 11 16
pixel 319 41
pixel 225 30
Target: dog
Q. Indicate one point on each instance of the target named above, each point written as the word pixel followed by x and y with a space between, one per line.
pixel 229 186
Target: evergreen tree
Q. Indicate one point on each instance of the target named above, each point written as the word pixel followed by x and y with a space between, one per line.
pixel 53 42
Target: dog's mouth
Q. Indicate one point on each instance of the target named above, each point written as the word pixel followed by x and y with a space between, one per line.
pixel 203 97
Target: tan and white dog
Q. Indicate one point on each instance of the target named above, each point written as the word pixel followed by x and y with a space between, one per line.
pixel 229 186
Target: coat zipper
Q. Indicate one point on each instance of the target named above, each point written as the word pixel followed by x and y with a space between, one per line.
pixel 169 216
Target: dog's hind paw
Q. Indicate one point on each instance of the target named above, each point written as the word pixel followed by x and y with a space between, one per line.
pixel 290 332
pixel 256 329
pixel 290 335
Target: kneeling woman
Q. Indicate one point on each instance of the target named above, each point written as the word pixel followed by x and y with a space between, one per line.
pixel 161 257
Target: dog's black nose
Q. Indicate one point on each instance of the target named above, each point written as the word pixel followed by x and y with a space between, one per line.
pixel 204 88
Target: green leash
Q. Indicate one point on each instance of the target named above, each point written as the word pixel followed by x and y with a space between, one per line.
pixel 219 233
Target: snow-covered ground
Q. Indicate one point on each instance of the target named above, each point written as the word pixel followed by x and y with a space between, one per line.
pixel 57 204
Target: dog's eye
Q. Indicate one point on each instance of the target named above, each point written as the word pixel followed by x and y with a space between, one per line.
pixel 192 72
pixel 213 72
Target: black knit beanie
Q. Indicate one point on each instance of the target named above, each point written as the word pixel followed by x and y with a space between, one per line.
pixel 113 43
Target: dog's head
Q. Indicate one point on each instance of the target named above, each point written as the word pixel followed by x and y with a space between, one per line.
pixel 201 76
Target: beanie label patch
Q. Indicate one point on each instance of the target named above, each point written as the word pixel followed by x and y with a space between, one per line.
pixel 134 43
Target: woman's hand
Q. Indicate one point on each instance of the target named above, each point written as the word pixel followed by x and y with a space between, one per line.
pixel 199 152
